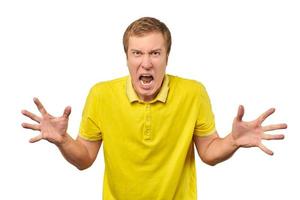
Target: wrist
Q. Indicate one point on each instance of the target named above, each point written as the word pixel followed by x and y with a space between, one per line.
pixel 233 141
pixel 65 140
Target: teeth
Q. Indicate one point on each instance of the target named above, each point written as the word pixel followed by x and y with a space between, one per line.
pixel 147 76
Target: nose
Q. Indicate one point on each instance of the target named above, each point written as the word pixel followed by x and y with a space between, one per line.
pixel 146 62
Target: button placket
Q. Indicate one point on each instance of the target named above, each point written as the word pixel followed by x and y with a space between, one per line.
pixel 147 128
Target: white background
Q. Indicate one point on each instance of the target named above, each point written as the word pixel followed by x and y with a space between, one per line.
pixel 244 52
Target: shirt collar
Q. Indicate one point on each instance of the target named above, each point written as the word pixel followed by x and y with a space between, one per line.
pixel 161 96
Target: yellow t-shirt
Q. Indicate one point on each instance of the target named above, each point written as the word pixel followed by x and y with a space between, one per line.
pixel 148 146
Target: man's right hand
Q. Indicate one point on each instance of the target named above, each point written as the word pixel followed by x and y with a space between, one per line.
pixel 52 129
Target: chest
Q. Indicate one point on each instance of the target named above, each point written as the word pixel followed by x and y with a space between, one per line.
pixel 148 123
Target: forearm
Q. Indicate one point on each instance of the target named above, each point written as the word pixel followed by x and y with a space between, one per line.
pixel 219 150
pixel 75 153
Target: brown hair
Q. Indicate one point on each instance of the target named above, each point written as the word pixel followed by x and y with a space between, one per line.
pixel 146 25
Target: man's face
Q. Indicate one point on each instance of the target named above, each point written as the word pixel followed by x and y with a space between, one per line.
pixel 147 62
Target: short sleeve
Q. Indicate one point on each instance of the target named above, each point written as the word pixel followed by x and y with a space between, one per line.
pixel 90 122
pixel 205 124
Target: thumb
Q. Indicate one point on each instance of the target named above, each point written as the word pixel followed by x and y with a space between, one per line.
pixel 67 112
pixel 240 113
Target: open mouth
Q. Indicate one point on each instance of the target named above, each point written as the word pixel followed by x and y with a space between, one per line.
pixel 146 79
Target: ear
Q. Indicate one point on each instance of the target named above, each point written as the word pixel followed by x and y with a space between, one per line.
pixel 167 58
pixel 126 58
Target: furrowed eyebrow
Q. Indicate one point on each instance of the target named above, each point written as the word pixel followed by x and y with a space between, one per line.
pixel 139 51
pixel 155 50
pixel 135 50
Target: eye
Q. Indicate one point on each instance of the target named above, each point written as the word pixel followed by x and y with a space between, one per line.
pixel 155 53
pixel 137 53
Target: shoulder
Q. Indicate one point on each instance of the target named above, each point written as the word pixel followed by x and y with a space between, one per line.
pixel 107 86
pixel 186 85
